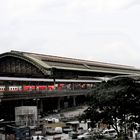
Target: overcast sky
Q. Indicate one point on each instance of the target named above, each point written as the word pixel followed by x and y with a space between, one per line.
pixel 99 30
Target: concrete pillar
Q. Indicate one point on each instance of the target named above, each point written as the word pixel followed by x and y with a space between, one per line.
pixel 59 103
pixel 37 103
pixel 74 100
pixel 41 105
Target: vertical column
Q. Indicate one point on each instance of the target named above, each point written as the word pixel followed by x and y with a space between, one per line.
pixel 41 105
pixel 74 100
pixel 58 103
pixel 37 103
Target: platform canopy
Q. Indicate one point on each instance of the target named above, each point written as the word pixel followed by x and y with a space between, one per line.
pixel 25 64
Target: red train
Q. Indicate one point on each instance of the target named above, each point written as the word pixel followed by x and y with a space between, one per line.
pixel 30 88
pixel 61 84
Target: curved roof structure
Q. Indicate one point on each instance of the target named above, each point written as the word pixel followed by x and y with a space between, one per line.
pixel 58 67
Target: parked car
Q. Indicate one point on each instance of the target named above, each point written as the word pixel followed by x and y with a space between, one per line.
pixel 58 130
pixel 66 129
pixel 109 133
pixel 37 137
pixel 85 136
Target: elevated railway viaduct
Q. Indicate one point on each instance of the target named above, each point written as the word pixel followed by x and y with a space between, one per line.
pixel 23 68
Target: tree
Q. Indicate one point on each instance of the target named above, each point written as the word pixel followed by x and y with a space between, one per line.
pixel 116 103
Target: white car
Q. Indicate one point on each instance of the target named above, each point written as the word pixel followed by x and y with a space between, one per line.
pixel 85 136
pixel 37 137
pixel 109 133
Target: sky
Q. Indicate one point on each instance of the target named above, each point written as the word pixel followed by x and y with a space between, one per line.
pixel 99 30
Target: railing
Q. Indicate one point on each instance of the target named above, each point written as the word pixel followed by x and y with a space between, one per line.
pixel 42 94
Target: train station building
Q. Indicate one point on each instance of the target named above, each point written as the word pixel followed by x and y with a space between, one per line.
pixel 50 82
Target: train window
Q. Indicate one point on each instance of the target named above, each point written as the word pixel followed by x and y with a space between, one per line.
pixel 2 88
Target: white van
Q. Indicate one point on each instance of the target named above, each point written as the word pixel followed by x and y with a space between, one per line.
pixel 58 130
pixel 109 133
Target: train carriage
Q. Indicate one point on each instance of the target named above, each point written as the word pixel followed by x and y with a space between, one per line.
pixel 48 84
pixel 2 88
pixel 15 88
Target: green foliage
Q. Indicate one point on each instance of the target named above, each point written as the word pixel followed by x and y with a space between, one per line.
pixel 116 103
